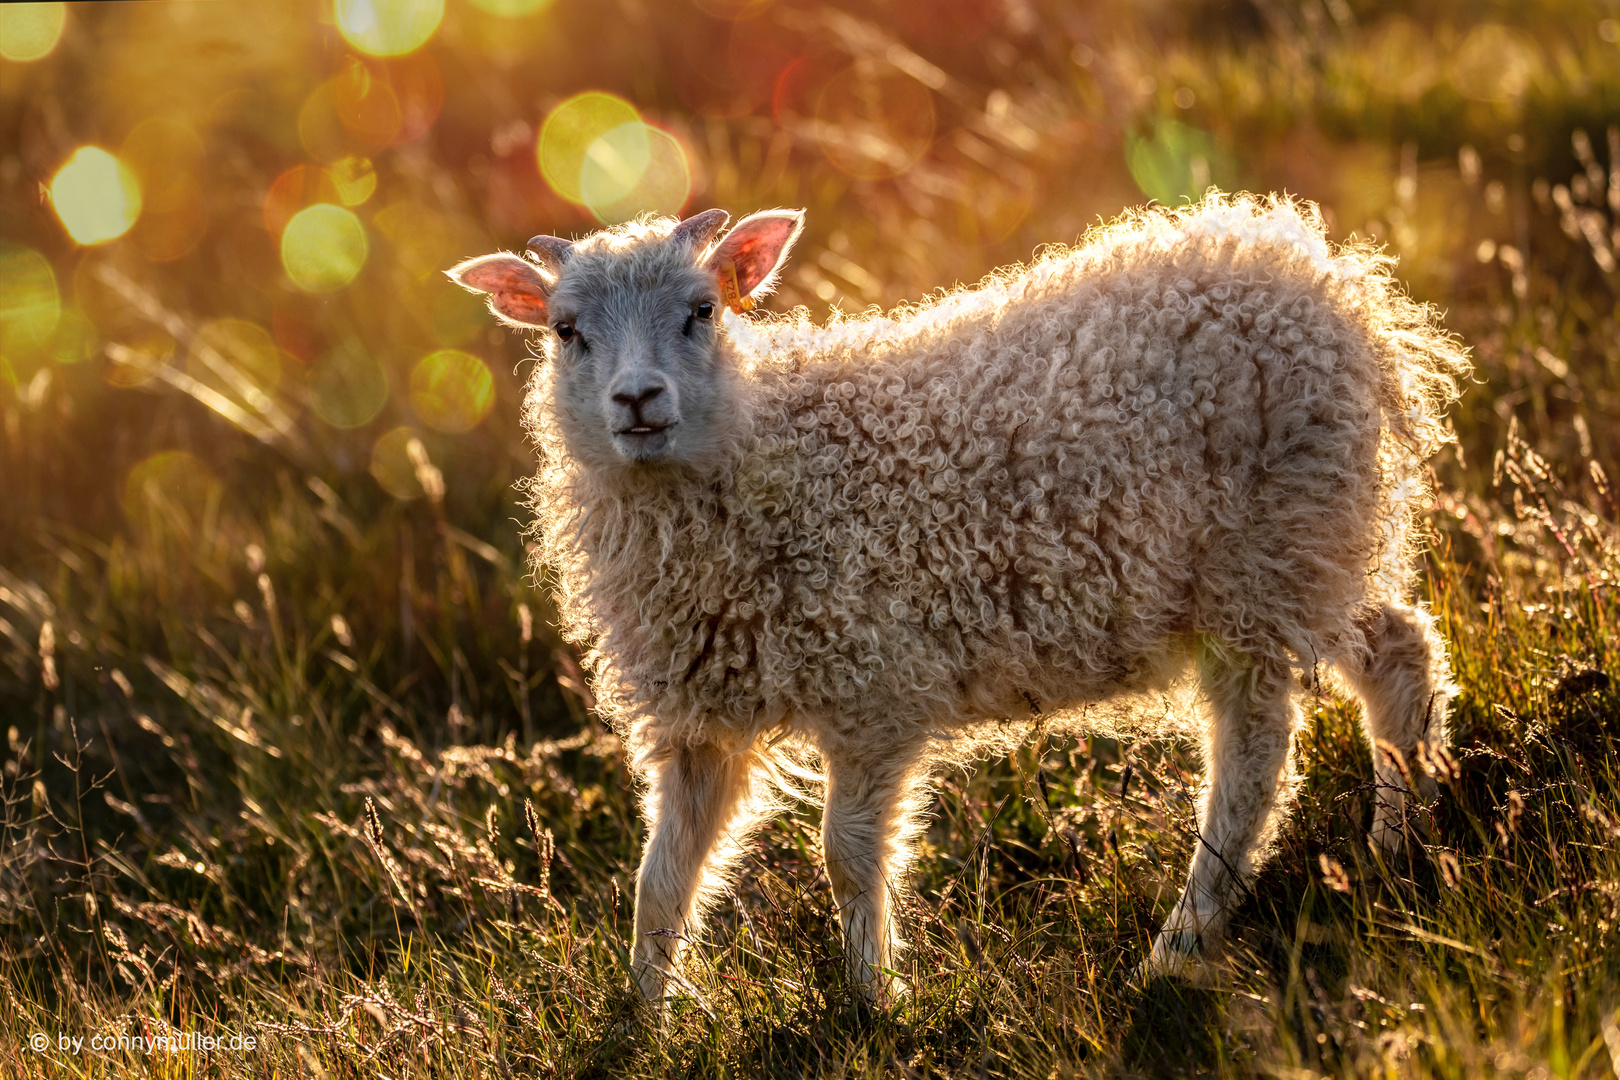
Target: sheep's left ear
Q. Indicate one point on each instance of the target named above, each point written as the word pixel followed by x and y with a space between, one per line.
pixel 749 260
pixel 517 292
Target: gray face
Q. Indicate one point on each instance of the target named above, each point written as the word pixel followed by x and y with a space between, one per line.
pixel 641 378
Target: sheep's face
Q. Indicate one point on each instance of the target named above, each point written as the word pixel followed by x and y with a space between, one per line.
pixel 642 374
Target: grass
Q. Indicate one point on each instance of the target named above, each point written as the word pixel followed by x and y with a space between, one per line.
pixel 295 759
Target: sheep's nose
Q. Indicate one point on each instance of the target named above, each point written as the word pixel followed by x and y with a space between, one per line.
pixel 635 400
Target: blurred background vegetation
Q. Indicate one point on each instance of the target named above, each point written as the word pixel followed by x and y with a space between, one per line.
pixel 261 569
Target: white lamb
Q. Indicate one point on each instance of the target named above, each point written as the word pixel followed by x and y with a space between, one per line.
pixel 1193 440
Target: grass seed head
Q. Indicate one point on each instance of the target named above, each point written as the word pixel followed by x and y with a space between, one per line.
pixel 1436 761
pixel 427 473
pixel 47 655
pixel 968 936
pixel 1333 873
pixel 1393 755
pixel 1450 870
pixel 1600 479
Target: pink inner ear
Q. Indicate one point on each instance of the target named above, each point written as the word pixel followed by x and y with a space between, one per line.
pixel 520 307
pixel 517 292
pixel 754 247
pixel 501 274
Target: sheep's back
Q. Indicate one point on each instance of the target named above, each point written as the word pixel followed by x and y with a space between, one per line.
pixel 1054 495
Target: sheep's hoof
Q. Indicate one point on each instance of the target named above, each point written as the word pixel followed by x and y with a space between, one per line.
pixel 655 994
pixel 1389 835
pixel 1393 825
pixel 880 989
pixel 1401 812
pixel 1176 954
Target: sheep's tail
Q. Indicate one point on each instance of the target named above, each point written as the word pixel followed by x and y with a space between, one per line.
pixel 792 769
pixel 786 768
pixel 1422 365
pixel 1420 368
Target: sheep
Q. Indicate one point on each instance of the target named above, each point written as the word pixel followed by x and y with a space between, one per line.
pixel 1193 441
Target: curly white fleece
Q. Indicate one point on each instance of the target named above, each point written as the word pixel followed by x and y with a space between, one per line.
pixel 1032 494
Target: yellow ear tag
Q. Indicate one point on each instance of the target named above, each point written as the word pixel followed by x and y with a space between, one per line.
pixel 735 300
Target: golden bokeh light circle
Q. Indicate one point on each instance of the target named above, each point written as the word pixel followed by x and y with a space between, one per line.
pixel 735 9
pixel 238 358
pixel 354 178
pixel 323 248
pixel 167 156
pixel 513 9
pixel 457 316
pixel 295 326
pixel 96 197
pixel 391 464
pixel 166 235
pixel 75 339
pixel 387 27
pixel 568 135
pixel 30 303
pixel 30 31
pixel 614 163
pixel 166 486
pixel 1495 63
pixel 347 387
pixel 366 104
pixel 874 123
pixel 663 185
pixel 292 191
pixel 1402 58
pixel 320 131
pixel 452 391
pixel 418 86
pixel 138 361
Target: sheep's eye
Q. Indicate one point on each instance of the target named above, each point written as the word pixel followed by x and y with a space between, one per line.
pixel 564 330
pixel 704 310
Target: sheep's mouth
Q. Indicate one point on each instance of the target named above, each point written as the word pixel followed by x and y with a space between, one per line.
pixel 644 429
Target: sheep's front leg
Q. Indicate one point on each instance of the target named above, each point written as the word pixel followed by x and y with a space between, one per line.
pixel 1246 750
pixel 699 811
pixel 868 835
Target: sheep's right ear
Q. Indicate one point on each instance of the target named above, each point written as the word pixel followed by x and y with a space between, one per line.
pixel 517 292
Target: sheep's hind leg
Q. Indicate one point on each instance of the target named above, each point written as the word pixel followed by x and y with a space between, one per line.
pixel 1404 684
pixel 700 809
pixel 1245 753
pixel 868 834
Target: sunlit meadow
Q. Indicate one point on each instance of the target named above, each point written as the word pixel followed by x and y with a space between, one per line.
pixel 296 760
